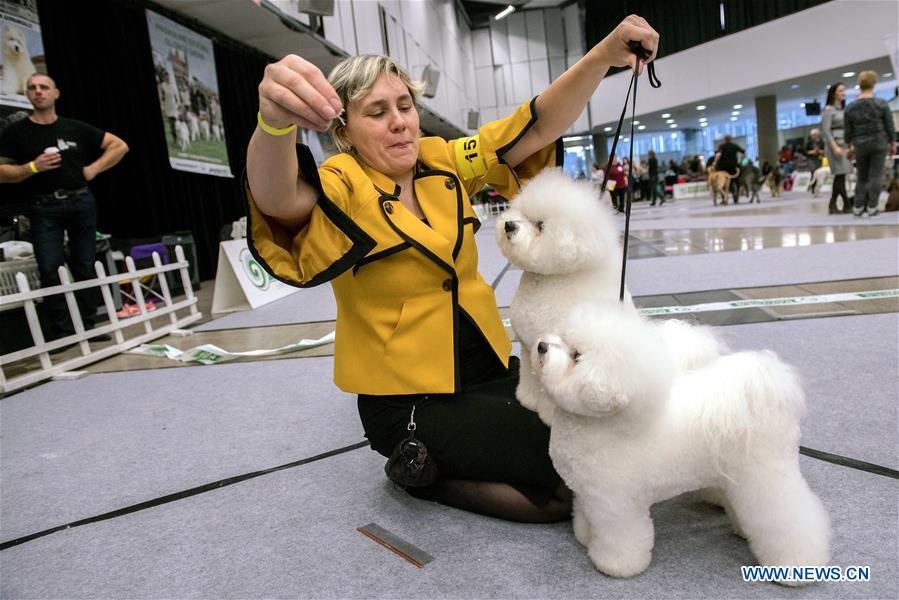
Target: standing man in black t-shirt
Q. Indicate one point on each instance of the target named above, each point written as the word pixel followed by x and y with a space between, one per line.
pixel 54 158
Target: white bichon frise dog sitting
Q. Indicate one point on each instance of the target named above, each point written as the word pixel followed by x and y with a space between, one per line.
pixel 17 64
pixel 566 243
pixel 628 432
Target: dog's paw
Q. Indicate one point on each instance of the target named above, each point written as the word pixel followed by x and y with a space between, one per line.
pixel 615 563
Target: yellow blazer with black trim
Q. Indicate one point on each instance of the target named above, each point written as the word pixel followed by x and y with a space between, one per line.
pixel 398 281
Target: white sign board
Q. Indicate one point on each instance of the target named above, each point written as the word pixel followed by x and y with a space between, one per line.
pixel 693 189
pixel 240 281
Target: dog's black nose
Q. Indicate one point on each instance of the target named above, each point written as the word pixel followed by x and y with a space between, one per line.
pixel 511 227
pixel 542 348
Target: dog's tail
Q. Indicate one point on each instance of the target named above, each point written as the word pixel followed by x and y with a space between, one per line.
pixel 749 400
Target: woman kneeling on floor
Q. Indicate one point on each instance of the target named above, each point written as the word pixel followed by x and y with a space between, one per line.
pixel 389 223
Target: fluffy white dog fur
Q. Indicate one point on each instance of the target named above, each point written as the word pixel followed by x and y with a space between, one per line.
pixel 631 428
pixel 818 178
pixel 182 135
pixel 566 243
pixel 17 65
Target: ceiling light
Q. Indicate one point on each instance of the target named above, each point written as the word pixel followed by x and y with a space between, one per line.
pixel 505 12
pixel 738 106
pixel 802 105
pixel 636 122
pixel 673 136
pixel 625 139
pixel 607 129
pixel 673 126
pixel 887 75
pixel 733 118
pixel 735 113
pixel 703 124
pixel 849 74
pixel 670 121
pixel 666 115
pixel 794 86
pixel 641 127
pixel 700 107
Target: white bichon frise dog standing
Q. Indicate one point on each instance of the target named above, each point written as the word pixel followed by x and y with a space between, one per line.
pixel 17 65
pixel 566 243
pixel 629 431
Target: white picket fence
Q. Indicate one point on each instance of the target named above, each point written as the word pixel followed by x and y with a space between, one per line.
pixel 27 298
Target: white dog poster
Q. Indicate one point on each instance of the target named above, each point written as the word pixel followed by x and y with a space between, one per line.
pixel 186 81
pixel 23 50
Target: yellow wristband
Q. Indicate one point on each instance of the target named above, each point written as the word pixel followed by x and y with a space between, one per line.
pixel 273 130
pixel 33 167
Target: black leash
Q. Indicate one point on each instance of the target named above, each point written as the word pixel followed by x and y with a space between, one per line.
pixel 641 53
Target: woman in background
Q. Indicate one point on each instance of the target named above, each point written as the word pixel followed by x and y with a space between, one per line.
pixel 835 145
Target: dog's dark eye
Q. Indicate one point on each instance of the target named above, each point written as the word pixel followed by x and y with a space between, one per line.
pixel 576 356
pixel 539 225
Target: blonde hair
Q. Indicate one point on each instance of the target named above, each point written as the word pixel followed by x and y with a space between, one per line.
pixel 867 80
pixel 354 77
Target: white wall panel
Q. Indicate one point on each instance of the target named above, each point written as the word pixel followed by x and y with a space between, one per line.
pixel 486 86
pixel 573 38
pixel 521 81
pixel 347 27
pixel 499 42
pixel 480 41
pixel 556 67
pixel 573 58
pixel 368 27
pixel 555 34
pixel 333 32
pixel 539 76
pixel 536 34
pixel 396 44
pixel 508 89
pixel 518 41
pixel 499 85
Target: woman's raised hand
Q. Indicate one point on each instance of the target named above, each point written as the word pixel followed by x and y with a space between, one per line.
pixel 631 29
pixel 294 91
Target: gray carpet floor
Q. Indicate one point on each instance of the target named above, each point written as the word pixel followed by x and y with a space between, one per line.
pixel 850 371
pixel 74 449
pixel 292 534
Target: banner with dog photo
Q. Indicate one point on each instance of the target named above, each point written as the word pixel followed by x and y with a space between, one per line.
pixel 184 68
pixel 23 51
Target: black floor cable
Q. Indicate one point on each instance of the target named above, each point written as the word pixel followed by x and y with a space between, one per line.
pixel 179 495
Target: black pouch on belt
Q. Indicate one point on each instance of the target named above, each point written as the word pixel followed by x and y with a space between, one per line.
pixel 409 464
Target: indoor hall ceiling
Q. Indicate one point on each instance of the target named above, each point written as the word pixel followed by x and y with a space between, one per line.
pixel 262 29
pixel 790 95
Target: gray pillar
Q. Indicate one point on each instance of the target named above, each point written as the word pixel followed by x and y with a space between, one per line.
pixel 766 126
pixel 600 149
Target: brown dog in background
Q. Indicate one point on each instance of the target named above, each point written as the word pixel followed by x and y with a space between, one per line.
pixel 719 182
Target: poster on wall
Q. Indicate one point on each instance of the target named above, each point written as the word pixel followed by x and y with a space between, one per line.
pixel 184 69
pixel 23 52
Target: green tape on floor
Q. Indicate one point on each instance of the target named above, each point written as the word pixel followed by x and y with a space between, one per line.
pixel 762 302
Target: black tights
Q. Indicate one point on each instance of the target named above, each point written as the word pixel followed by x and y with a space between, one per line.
pixel 497 499
pixel 839 189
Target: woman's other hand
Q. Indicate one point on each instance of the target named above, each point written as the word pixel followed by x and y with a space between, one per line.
pixel 632 29
pixel 294 91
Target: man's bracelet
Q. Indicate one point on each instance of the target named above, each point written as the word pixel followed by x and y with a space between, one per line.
pixel 33 167
pixel 273 130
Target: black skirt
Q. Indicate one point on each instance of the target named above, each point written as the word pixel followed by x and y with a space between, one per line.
pixel 481 433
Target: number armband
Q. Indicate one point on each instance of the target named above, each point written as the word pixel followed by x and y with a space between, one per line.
pixel 469 159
